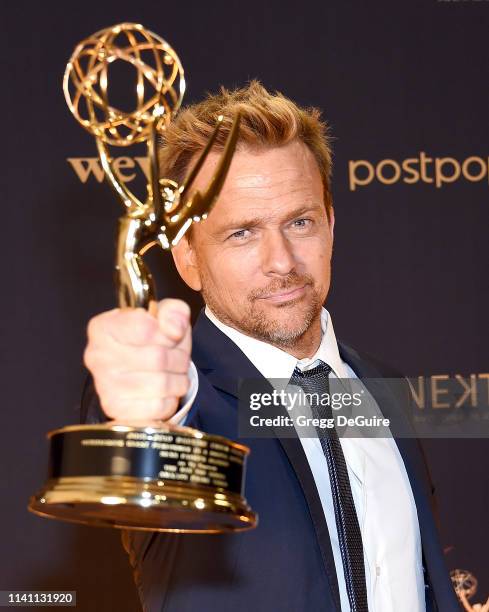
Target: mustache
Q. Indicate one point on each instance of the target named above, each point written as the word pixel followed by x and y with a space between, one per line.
pixel 288 283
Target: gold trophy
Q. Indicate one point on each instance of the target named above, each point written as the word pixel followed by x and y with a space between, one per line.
pixel 151 476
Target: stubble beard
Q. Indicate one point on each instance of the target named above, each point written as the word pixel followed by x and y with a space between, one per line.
pixel 257 321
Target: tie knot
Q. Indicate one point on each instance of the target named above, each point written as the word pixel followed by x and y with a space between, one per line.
pixel 321 368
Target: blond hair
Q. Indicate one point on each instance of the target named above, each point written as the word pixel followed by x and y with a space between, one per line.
pixel 267 120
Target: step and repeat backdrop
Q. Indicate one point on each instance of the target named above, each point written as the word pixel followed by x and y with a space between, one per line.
pixel 403 86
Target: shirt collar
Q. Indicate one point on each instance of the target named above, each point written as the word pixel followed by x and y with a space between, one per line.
pixel 278 365
pixel 273 362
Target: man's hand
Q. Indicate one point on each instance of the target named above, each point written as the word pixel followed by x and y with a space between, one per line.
pixel 139 362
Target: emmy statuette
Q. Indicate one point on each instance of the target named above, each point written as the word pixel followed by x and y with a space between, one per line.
pixel 150 476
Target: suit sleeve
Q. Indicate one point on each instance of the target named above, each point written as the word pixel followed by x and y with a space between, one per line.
pixel 90 409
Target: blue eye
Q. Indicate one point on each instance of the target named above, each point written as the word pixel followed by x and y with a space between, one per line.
pixel 239 234
pixel 309 221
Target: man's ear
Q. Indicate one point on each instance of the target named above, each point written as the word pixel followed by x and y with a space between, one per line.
pixel 331 221
pixel 185 258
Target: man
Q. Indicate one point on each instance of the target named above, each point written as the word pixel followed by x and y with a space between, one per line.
pixel 343 524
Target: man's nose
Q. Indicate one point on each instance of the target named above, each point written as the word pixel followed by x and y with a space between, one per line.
pixel 276 253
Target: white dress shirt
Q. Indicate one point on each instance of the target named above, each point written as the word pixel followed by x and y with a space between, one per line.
pixel 380 486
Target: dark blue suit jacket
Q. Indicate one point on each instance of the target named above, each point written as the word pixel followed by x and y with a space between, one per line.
pixel 286 564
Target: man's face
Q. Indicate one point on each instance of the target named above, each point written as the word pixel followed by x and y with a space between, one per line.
pixel 262 257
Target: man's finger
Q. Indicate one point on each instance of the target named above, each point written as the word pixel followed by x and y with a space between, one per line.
pixel 149 358
pixel 174 319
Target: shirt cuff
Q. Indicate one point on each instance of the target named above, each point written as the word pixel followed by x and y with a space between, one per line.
pixel 187 400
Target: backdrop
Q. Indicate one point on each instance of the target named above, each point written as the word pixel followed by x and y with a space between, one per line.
pixel 404 88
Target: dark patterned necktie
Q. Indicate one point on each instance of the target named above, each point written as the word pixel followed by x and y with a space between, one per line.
pixel 315 381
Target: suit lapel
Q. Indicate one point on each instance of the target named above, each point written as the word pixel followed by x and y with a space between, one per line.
pixel 224 364
pixel 409 448
pixel 413 458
